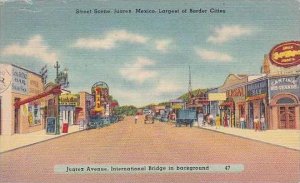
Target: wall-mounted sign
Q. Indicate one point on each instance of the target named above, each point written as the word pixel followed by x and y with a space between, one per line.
pixel 5 79
pixel 257 89
pixel 216 96
pixel 285 84
pixel 19 80
pixel 286 54
pixel 237 92
pixel 69 99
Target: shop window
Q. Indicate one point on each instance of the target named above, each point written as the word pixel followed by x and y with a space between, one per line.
pixel 285 100
pixel 262 108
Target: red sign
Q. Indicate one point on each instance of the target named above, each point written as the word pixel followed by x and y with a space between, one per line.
pixel 286 54
pixel 237 92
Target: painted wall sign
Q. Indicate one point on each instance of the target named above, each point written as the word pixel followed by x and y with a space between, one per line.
pixel 19 81
pixel 286 54
pixel 285 84
pixel 237 92
pixel 257 88
pixel 5 79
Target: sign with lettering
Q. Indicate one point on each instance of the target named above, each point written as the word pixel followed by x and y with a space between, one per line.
pixel 19 81
pixel 51 125
pixel 258 88
pixel 285 84
pixel 5 79
pixel 237 92
pixel 69 99
pixel 286 54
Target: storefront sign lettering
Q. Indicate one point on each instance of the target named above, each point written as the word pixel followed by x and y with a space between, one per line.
pixel 284 83
pixel 20 81
pixel 257 88
pixel 237 92
pixel 286 54
pixel 69 99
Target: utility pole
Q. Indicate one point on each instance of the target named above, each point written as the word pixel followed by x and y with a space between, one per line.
pixel 56 66
pixel 190 81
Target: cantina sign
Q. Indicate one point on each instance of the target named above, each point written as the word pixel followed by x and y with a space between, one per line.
pixel 286 54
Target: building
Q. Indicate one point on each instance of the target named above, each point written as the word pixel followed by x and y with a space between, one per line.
pixel 86 104
pixel 21 106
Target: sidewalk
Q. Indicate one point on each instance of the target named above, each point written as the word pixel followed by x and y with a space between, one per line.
pixel 285 138
pixel 10 142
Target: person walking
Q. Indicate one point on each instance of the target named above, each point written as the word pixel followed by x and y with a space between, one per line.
pixel 218 121
pixel 256 123
pixel 262 123
pixel 136 118
pixel 242 122
pixel 200 119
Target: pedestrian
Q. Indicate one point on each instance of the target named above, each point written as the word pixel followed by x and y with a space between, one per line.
pixel 242 122
pixel 218 121
pixel 211 119
pixel 256 123
pixel 136 118
pixel 200 119
pixel 262 123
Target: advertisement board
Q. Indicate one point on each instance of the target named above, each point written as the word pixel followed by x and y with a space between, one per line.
pixel 19 81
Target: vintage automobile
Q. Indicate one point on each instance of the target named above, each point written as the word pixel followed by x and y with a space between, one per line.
pixel 186 117
pixel 149 118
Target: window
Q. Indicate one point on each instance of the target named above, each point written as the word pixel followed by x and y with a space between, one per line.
pixel 285 100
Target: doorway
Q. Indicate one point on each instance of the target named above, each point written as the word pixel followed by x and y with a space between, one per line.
pixel 287 117
pixel 16 115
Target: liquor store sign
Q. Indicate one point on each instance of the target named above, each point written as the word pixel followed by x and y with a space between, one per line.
pixel 257 90
pixel 19 80
pixel 286 54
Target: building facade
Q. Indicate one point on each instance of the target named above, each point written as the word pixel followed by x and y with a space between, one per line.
pixel 18 84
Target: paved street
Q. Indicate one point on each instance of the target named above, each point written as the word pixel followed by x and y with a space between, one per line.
pixel 159 143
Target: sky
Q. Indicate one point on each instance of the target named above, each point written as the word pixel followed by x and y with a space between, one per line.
pixel 145 57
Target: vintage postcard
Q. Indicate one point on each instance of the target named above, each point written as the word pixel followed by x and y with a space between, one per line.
pixel 149 91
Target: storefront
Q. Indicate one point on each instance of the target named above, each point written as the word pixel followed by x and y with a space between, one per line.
pixel 227 113
pixel 85 106
pixel 237 96
pixel 256 97
pixel 19 89
pixel 284 104
pixel 68 105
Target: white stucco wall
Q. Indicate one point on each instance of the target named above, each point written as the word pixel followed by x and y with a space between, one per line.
pixel 6 102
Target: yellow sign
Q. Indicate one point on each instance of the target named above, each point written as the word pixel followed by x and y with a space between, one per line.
pixel 216 96
pixel 69 99
pixel 177 106
pixel 98 107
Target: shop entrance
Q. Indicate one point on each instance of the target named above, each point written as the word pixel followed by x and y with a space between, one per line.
pixel 287 119
pixel 16 116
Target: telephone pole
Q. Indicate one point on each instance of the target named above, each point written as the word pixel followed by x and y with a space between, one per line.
pixel 56 66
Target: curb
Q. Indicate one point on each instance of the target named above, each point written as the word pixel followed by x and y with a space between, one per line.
pixel 250 139
pixel 55 137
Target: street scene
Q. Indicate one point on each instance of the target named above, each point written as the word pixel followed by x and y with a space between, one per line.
pixel 109 91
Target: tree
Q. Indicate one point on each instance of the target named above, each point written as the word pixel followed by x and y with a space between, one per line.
pixel 126 110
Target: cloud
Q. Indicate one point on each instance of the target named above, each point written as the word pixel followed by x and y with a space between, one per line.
pixel 110 40
pixel 213 55
pixel 165 86
pixel 137 71
pixel 163 45
pixel 35 47
pixel 226 33
pixel 10 1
